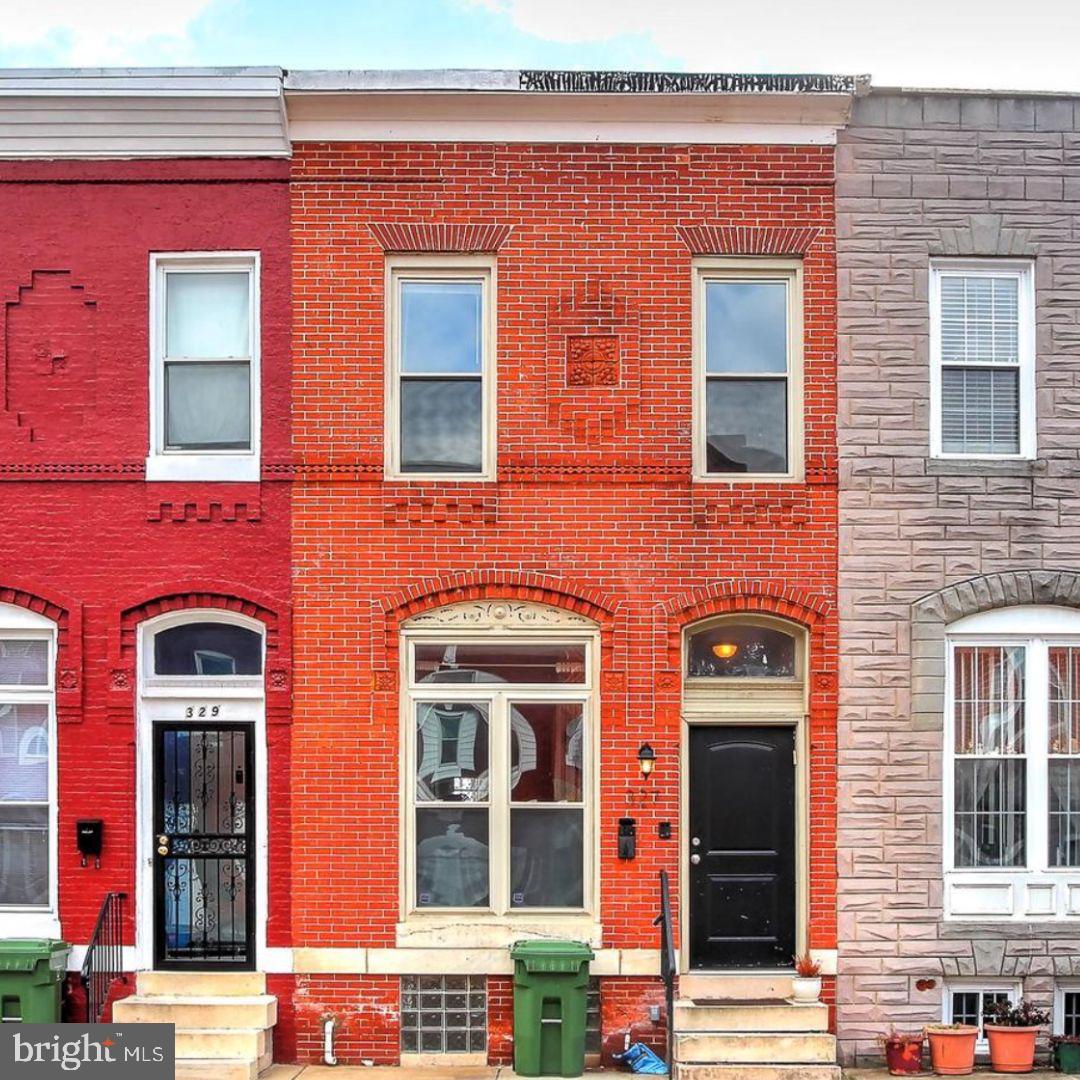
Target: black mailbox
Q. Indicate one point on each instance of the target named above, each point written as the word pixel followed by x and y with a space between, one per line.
pixel 89 835
pixel 627 838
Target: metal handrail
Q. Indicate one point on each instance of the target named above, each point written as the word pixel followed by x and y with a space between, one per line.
pixel 104 963
pixel 668 963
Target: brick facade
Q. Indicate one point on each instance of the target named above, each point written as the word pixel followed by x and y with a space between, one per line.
pixel 593 509
pixel 921 176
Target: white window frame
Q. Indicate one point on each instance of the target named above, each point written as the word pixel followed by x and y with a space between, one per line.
pixel 586 693
pixel 1036 891
pixel 1024 272
pixel 223 465
pixel 1062 987
pixel 1012 987
pixel 20 920
pixel 789 271
pixel 402 268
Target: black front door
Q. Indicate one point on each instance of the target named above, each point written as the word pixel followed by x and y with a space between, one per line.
pixel 204 846
pixel 742 847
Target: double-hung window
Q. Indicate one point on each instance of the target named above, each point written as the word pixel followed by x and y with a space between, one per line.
pixel 982 359
pixel 500 745
pixel 1013 752
pixel 205 367
pixel 27 769
pixel 748 370
pixel 440 419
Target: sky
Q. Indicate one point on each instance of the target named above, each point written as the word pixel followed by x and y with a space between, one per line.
pixel 998 44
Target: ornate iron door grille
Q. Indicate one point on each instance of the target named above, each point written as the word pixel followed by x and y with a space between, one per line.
pixel 204 847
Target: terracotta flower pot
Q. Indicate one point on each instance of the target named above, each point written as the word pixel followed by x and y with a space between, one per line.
pixel 903 1054
pixel 952 1049
pixel 1012 1049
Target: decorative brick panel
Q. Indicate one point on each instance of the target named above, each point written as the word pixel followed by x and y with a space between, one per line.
pixel 747 239
pixel 431 236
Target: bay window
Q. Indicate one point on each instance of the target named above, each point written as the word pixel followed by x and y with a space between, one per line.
pixel 1013 755
pixel 500 773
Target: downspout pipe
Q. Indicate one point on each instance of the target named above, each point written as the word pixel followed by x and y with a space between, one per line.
pixel 328 1026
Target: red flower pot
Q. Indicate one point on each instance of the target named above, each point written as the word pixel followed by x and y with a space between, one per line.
pixel 1012 1049
pixel 903 1054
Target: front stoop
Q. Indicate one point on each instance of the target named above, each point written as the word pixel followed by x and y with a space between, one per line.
pixel 720 1035
pixel 224 1021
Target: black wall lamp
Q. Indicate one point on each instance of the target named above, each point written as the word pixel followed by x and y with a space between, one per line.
pixel 646 757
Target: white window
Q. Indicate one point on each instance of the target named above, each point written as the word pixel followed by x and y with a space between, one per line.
pixel 204 378
pixel 440 369
pixel 500 731
pixel 27 770
pixel 1067 1007
pixel 982 359
pixel 1013 764
pixel 748 420
pixel 969 1002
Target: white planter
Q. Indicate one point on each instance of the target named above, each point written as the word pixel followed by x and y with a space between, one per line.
pixel 806 990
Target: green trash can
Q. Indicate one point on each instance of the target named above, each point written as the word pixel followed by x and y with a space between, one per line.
pixel 32 971
pixel 551 991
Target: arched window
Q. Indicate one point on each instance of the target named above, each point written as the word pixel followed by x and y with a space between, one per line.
pixel 207 649
pixel 27 785
pixel 742 648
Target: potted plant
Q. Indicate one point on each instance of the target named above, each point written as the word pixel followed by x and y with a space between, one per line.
pixel 903 1052
pixel 1066 1053
pixel 806 986
pixel 952 1048
pixel 1012 1030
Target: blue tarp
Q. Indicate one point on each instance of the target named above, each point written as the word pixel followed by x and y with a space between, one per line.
pixel 642 1060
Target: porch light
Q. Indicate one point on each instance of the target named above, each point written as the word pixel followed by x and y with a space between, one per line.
pixel 646 757
pixel 725 650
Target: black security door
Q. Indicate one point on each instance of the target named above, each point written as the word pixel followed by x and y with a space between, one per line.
pixel 204 847
pixel 742 847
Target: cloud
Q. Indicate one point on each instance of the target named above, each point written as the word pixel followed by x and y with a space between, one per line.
pixel 974 43
pixel 98 31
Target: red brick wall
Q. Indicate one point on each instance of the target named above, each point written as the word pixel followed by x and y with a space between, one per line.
pixel 84 536
pixel 593 503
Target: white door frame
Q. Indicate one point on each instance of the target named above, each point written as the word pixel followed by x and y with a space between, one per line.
pixel 239 699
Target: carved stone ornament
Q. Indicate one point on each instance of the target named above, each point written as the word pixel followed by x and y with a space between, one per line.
pixel 493 614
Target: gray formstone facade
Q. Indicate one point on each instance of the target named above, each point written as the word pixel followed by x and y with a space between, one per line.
pixel 927 541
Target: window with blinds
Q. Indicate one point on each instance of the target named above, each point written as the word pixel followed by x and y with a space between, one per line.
pixel 983 355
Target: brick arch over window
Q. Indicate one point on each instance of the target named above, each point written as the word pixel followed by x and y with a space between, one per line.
pixel 932 614
pixel 67 614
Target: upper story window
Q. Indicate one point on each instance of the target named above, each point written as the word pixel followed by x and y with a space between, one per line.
pixel 1013 776
pixel 27 768
pixel 982 353
pixel 441 370
pixel 748 370
pixel 205 367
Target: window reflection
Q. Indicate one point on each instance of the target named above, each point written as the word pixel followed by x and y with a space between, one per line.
pixel 207 649
pixel 741 650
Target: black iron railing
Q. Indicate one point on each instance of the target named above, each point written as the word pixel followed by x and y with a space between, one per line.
pixel 668 964
pixel 104 963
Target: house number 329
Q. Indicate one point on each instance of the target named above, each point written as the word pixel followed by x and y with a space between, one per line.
pixel 201 710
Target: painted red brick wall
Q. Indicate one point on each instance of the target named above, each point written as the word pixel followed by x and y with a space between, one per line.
pixel 594 506
pixel 85 538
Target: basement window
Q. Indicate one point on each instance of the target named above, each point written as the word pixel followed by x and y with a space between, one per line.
pixel 443 1014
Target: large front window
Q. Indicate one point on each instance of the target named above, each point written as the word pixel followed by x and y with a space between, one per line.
pixel 26 772
pixel 499 784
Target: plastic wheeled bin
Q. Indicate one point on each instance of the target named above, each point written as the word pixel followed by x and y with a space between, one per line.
pixel 551 990
pixel 32 971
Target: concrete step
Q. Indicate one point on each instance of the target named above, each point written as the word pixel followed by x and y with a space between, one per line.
pixel 735 987
pixel 217 1069
pixel 200 983
pixel 756 1072
pixel 256 1011
pixel 217 1043
pixel 733 1048
pixel 750 1016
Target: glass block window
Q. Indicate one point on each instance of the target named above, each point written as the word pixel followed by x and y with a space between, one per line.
pixel 443 1014
pixel 593 1033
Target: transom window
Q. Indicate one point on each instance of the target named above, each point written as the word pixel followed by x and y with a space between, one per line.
pixel 27 772
pixel 748 369
pixel 440 348
pixel 500 758
pixel 737 649
pixel 982 359
pixel 207 649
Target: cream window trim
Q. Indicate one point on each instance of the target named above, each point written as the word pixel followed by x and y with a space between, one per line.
pixel 1023 270
pixel 789 271
pixel 163 464
pixel 25 920
pixel 400 268
pixel 416 920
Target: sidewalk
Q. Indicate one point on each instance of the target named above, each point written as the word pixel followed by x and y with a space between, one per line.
pixel 360 1072
pixel 980 1071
